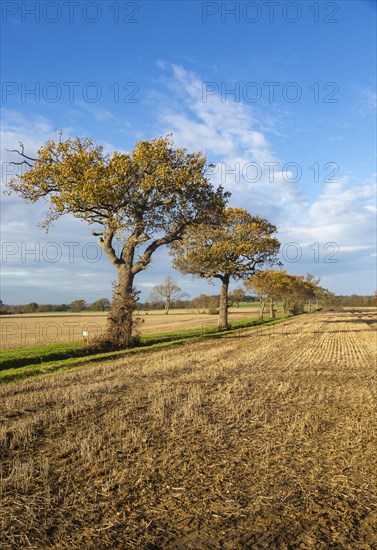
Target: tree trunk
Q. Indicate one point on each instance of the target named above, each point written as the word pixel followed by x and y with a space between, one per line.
pixel 167 306
pixel 272 311
pixel 261 311
pixel 310 306
pixel 223 313
pixel 120 329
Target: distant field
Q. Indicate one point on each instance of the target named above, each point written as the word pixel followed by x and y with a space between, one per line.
pixel 263 440
pixel 47 328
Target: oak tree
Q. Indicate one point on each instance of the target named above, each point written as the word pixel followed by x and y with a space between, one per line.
pixel 32 307
pixel 142 200
pixel 77 306
pixel 258 286
pixel 100 305
pixel 168 291
pixel 205 304
pixel 237 295
pixel 235 249
pixel 267 285
pixel 293 290
pixel 313 291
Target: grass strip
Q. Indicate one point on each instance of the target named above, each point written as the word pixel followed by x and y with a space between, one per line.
pixel 21 357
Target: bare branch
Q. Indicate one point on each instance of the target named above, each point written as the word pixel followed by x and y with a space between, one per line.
pixel 20 163
pixel 22 152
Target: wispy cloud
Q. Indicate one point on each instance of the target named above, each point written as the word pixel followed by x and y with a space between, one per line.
pixel 366 102
pixel 233 136
pixel 333 139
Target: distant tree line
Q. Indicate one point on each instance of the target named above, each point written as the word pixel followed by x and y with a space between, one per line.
pixel 76 306
pixel 207 303
pixel 354 300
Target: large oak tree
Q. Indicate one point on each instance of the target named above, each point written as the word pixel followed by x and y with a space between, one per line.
pixel 144 199
pixel 236 248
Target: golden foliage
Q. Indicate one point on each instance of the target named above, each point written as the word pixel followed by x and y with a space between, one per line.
pixel 154 188
pixel 273 285
pixel 233 249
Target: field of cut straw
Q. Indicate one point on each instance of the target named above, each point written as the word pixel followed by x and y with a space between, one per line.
pixel 262 440
pixel 25 330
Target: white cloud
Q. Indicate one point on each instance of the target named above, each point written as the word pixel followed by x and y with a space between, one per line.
pixel 339 199
pixel 147 285
pixel 231 135
pixel 337 237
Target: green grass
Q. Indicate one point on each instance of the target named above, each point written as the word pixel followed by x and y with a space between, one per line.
pixel 16 364
pixel 21 357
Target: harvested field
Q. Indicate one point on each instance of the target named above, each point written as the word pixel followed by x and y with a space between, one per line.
pixel 48 328
pixel 263 440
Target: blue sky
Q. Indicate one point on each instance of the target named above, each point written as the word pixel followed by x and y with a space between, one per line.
pixel 281 95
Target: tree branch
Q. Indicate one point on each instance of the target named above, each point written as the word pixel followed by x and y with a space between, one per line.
pixel 105 243
pixel 22 152
pixel 145 259
pixel 20 163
